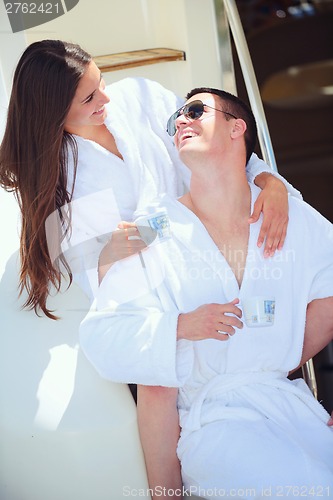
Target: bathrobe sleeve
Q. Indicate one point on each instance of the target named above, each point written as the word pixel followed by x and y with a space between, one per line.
pixel 130 332
pixel 256 166
pixel 315 237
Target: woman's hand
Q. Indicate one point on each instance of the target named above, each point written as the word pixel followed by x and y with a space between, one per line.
pixel 124 242
pixel 210 321
pixel 330 422
pixel 273 202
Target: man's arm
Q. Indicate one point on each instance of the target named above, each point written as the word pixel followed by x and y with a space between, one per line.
pixel 318 331
pixel 318 328
pixel 159 433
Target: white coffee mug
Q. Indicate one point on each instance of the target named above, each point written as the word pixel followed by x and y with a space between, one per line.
pixel 258 311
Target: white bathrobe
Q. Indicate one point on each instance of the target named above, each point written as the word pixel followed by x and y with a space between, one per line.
pixel 108 189
pixel 245 426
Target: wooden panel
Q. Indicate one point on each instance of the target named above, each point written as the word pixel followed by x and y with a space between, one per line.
pixel 122 60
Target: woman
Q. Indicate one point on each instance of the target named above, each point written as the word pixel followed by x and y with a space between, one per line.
pixel 62 143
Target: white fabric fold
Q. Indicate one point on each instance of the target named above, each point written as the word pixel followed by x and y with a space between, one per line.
pixel 221 384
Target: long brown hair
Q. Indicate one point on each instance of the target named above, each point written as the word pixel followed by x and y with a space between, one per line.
pixel 34 157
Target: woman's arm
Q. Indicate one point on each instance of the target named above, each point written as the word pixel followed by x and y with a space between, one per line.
pixel 273 203
pixel 256 166
pixel 123 243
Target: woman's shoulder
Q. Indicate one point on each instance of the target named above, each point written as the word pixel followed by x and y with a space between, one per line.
pixel 142 90
pixel 135 84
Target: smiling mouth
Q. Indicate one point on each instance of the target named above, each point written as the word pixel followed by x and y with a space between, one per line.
pixel 187 135
pixel 100 111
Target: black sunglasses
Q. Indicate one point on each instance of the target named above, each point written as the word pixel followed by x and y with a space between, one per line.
pixel 192 111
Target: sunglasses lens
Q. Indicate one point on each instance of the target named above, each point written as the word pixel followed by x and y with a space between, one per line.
pixel 193 111
pixel 171 125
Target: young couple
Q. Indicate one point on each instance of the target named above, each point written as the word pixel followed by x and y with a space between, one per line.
pixel 104 151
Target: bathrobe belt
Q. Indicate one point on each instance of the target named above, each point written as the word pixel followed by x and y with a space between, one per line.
pixel 220 385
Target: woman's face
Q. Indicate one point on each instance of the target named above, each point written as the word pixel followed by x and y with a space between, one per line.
pixel 88 106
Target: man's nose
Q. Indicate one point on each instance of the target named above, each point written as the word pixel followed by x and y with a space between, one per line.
pixel 181 120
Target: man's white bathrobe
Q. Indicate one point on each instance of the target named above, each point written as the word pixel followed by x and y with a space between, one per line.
pixel 108 189
pixel 244 424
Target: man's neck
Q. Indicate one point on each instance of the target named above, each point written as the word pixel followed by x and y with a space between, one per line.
pixel 222 196
pixel 222 201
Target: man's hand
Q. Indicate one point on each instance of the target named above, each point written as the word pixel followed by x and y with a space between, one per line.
pixel 273 202
pixel 210 321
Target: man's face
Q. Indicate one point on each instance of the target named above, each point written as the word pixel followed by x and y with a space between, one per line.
pixel 208 134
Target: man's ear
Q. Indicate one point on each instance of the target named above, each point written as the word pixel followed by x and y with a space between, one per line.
pixel 239 128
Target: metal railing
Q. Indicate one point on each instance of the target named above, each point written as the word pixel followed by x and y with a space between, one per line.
pixel 227 16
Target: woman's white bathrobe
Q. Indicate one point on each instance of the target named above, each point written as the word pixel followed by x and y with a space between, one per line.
pixel 108 189
pixel 244 424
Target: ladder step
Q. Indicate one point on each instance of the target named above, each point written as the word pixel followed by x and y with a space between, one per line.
pixel 123 60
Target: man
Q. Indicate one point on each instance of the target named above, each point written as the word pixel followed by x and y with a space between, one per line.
pixel 245 428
